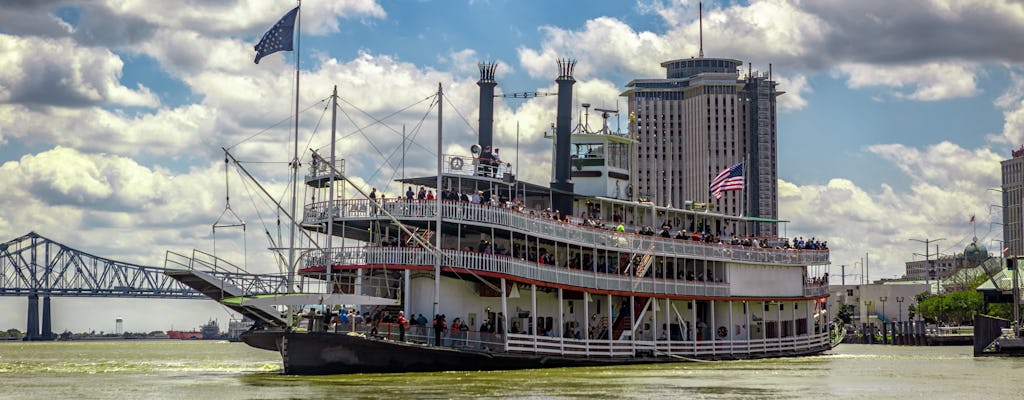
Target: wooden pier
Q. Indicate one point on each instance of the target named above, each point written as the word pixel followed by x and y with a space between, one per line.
pixel 911 333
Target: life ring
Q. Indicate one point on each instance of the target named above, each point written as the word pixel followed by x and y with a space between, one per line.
pixel 722 331
pixel 456 163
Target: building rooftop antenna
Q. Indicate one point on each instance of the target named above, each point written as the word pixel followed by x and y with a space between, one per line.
pixel 700 18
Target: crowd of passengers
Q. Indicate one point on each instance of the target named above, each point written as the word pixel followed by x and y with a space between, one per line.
pixel 819 280
pixel 608 265
pixel 383 323
pixel 592 218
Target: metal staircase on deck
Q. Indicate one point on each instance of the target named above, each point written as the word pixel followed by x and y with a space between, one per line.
pixel 623 320
pixel 218 287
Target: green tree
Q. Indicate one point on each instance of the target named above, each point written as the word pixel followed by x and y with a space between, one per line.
pixel 1001 310
pixel 845 313
pixel 951 308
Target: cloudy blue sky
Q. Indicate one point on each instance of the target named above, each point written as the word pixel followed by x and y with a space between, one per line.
pixel 112 113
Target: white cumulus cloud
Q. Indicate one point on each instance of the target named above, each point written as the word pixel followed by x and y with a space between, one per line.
pixel 928 82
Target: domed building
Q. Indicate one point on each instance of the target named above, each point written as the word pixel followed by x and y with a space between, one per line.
pixel 975 253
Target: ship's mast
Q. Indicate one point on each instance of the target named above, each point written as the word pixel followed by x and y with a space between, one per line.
pixel 330 196
pixel 437 226
pixel 295 155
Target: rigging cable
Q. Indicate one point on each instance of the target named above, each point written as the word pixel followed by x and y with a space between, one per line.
pixel 360 130
pixel 267 129
pixel 227 210
pixel 259 216
pixel 415 132
pixel 464 120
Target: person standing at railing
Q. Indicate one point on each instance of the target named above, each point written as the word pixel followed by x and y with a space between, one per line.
pixel 328 318
pixel 439 327
pixel 402 322
pixel 422 322
pixel 343 317
pixel 487 162
pixel 355 317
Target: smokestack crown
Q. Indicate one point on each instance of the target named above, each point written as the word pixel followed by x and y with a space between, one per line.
pixel 487 71
pixel 565 68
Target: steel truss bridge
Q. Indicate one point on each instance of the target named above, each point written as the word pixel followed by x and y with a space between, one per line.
pixel 35 266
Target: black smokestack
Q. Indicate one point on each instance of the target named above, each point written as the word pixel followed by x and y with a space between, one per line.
pixel 563 137
pixel 487 85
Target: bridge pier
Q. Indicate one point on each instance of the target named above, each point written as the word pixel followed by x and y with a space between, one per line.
pixel 32 333
pixel 47 333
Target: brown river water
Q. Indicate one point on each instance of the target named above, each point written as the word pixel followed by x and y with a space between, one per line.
pixel 201 370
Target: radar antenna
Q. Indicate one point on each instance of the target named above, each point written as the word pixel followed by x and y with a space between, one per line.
pixel 604 116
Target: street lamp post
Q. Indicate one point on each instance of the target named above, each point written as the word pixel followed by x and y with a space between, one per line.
pixel 883 299
pixel 899 301
pixel 1013 261
pixel 927 261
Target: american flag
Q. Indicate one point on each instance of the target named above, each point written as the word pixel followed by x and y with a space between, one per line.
pixel 729 179
pixel 279 37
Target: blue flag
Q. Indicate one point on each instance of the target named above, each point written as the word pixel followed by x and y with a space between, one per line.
pixel 279 37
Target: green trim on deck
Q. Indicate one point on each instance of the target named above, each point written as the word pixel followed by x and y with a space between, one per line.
pixel 237 300
pixel 759 219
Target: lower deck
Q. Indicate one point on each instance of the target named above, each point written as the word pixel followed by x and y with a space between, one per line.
pixel 484 313
pixel 651 350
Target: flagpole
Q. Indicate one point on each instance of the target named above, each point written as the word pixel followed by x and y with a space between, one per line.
pixel 295 155
pixel 746 192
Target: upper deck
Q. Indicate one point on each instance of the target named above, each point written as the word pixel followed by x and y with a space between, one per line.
pixel 361 213
pixel 499 266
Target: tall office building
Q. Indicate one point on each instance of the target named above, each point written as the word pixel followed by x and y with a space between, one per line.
pixel 701 118
pixel 1013 189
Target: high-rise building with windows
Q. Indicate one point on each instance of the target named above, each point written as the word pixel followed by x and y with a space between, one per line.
pixel 1013 190
pixel 700 119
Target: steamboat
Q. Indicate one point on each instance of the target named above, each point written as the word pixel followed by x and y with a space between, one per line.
pixel 494 273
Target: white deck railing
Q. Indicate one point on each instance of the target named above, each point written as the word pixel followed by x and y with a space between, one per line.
pixel 593 348
pixel 815 289
pixel 413 256
pixel 476 214
pixel 680 348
